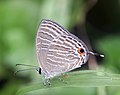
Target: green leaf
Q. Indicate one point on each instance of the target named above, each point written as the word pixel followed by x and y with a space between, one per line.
pixel 86 78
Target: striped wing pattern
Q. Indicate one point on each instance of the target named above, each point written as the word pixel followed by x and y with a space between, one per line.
pixel 57 49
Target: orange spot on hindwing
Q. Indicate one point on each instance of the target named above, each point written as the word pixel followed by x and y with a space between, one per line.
pixel 81 51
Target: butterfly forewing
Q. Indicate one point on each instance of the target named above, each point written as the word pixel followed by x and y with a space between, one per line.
pixel 57 49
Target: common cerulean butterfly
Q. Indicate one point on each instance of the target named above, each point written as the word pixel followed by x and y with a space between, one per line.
pixel 58 51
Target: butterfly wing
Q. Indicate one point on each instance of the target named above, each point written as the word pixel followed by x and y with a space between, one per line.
pixel 57 49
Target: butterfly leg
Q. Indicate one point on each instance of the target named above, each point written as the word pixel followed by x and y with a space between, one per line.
pixel 47 82
pixel 63 76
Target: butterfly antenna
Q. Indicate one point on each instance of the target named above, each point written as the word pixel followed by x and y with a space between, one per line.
pixel 26 65
pixel 96 54
pixel 24 70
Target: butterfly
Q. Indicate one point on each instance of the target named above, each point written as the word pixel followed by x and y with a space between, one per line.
pixel 58 51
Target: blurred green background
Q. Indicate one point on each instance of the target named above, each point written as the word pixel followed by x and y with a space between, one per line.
pixel 97 22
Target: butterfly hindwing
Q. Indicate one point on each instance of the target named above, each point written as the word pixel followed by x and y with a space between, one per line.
pixel 57 49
